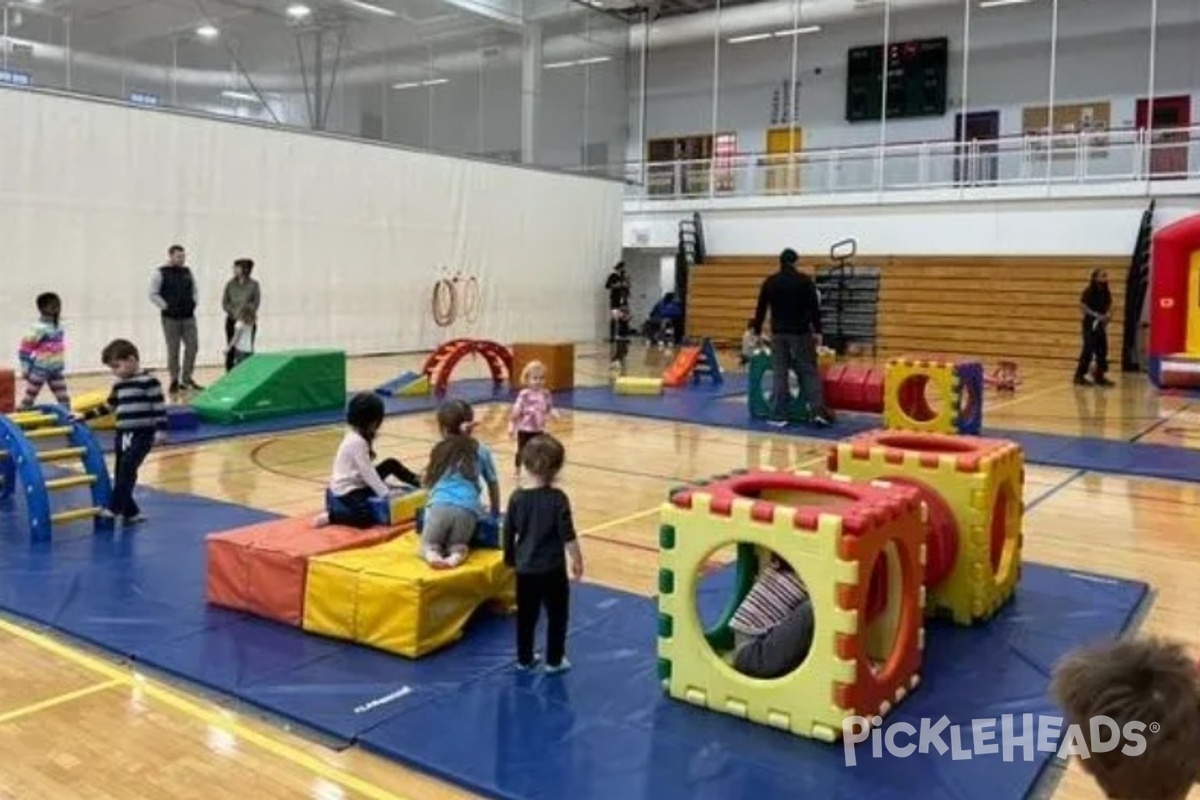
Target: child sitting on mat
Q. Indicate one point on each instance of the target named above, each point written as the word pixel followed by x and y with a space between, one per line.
pixel 773 626
pixel 538 536
pixel 533 406
pixel 456 466
pixel 356 479
pixel 1137 680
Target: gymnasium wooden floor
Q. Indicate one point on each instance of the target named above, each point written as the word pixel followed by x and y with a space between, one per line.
pixel 75 724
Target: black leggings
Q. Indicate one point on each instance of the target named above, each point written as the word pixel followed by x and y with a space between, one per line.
pixel 1095 345
pixel 353 509
pixel 553 591
pixel 523 438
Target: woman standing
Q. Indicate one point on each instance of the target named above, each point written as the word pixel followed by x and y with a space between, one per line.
pixel 1096 304
pixel 241 294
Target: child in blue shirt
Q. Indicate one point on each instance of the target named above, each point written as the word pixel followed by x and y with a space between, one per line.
pixel 456 466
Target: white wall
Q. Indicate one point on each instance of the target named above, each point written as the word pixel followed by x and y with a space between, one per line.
pixel 348 237
pixel 1057 227
pixel 1102 54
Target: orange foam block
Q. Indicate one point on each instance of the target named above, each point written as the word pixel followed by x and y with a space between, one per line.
pixel 261 569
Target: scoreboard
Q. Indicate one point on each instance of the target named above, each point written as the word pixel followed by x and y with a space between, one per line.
pixel 916 80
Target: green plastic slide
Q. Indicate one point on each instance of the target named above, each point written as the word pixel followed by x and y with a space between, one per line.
pixel 272 385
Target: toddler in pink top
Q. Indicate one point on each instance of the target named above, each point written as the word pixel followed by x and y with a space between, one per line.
pixel 532 407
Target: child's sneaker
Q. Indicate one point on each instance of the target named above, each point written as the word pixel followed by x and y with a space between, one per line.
pixel 454 559
pixel 531 666
pixel 105 515
pixel 555 669
pixel 135 519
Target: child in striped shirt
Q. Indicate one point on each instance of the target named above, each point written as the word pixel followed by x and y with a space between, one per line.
pixel 533 406
pixel 773 626
pixel 140 409
pixel 41 354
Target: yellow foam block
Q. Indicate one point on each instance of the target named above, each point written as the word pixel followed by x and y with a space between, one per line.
pixel 418 388
pixel 90 401
pixel 386 596
pixel 627 385
pixel 404 507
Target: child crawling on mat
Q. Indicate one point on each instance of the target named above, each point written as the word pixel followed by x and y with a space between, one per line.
pixel 773 626
pixel 456 466
pixel 356 479
pixel 1136 680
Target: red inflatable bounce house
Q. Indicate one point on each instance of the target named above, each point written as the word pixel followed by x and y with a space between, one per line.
pixel 1174 347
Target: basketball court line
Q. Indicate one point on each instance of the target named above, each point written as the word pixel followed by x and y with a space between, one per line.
pixel 57 700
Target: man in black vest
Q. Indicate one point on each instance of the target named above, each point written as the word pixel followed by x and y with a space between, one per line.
pixel 173 290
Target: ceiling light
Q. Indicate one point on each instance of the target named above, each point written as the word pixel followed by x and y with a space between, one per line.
pixel 207 32
pixel 419 84
pixel 799 31
pixel 383 12
pixel 999 3
pixel 245 97
pixel 583 62
pixel 299 11
pixel 758 37
pixel 753 37
pixel 33 2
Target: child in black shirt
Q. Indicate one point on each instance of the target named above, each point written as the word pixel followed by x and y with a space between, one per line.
pixel 538 536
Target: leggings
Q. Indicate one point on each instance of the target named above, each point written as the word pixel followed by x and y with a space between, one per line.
pixel 353 509
pixel 34 382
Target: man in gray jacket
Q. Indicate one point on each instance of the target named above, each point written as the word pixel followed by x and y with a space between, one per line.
pixel 173 290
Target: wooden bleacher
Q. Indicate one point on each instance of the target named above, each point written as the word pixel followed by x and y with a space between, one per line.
pixel 1020 308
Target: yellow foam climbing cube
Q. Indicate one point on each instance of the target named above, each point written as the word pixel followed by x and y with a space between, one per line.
pixel 387 597
pixel 973 492
pixel 843 538
pixel 403 508
pixel 956 387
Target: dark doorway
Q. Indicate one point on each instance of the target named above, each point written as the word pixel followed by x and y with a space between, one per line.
pixel 1168 135
pixel 977 161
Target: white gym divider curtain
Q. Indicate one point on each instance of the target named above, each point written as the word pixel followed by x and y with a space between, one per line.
pixel 348 238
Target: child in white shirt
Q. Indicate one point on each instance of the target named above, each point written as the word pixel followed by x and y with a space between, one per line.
pixel 241 344
pixel 356 479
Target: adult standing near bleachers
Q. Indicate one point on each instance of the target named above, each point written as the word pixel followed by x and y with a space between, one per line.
pixel 1096 305
pixel 173 291
pixel 242 294
pixel 795 307
pixel 618 298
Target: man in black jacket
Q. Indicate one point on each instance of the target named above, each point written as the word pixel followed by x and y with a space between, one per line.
pixel 173 291
pixel 791 297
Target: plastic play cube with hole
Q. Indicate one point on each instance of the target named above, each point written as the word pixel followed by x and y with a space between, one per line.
pixel 835 533
pixel 956 386
pixel 388 597
pixel 973 490
pixel 400 508
pixel 262 569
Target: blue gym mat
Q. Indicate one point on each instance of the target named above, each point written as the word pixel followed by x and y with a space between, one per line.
pixel 603 730
pixel 476 391
pixel 714 407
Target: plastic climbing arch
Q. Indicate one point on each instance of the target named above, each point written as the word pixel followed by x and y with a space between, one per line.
pixel 444 359
pixel 31 441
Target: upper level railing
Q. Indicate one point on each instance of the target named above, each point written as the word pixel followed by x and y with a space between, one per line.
pixel 1081 158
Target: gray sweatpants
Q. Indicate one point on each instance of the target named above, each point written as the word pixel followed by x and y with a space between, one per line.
pixel 448 528
pixel 795 352
pixel 778 651
pixel 177 331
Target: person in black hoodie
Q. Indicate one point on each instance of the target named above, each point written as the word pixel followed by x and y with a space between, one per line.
pixel 617 286
pixel 1096 305
pixel 173 290
pixel 795 307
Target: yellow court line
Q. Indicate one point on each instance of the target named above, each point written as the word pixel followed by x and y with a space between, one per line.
pixel 612 523
pixel 1014 400
pixel 215 718
pixel 57 700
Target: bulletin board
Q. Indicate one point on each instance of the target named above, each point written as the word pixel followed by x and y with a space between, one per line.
pixel 1093 119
